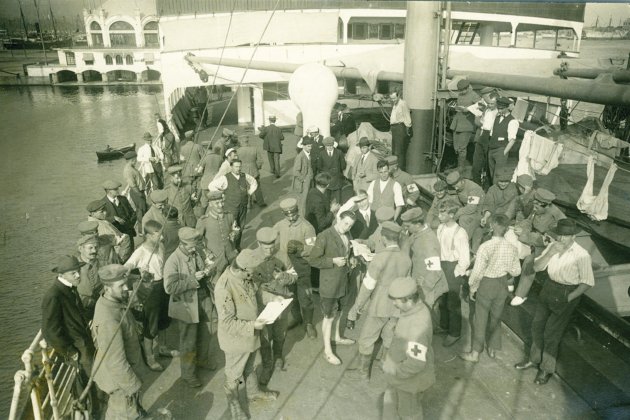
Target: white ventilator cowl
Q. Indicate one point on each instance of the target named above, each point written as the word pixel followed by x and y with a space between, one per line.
pixel 313 89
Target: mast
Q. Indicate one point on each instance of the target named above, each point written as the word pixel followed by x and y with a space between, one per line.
pixel 52 18
pixel 41 34
pixel 25 29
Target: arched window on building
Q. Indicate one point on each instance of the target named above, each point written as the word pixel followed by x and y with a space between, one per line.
pixel 108 60
pixel 129 59
pixel 119 59
pixel 97 34
pixel 122 34
pixel 150 32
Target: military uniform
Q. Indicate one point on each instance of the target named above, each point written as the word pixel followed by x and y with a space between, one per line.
pixel 217 232
pixel 181 198
pixel 463 124
pixel 470 196
pixel 154 213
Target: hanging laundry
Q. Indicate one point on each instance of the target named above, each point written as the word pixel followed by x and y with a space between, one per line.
pixel 523 167
pixel 544 154
pixel 596 207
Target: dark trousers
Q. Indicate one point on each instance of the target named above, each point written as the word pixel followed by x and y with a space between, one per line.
pixel 271 345
pixel 488 308
pixel 194 339
pixel 496 160
pixel 450 302
pixel 274 162
pixel 400 141
pixel 480 157
pixel 552 316
pixel 334 195
pixel 240 217
pixel 305 300
pixel 260 200
pixel 155 309
pixel 139 201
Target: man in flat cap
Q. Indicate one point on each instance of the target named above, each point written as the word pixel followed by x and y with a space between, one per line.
pixel 186 279
pixel 303 173
pixel 387 265
pixel 237 187
pixel 117 371
pixel 332 161
pixel 146 159
pixel 64 323
pixel 536 232
pixel 218 233
pixel 108 233
pixel 440 194
pixel 252 161
pixel 106 251
pixel 181 195
pixel 239 330
pixel 135 184
pixel 400 123
pixel 274 282
pixel 118 211
pixel 190 155
pixel 409 364
pixel 364 170
pixel 410 189
pixel 89 287
pixel 376 242
pixel 157 199
pixel 424 249
pixel 503 136
pixel 470 197
pixel 385 192
pixel 463 124
pixel 272 143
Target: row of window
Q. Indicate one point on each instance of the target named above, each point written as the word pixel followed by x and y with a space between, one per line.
pixel 124 26
pixel 122 34
pixel 363 30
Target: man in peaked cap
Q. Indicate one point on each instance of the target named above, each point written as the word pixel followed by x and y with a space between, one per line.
pixel 89 286
pixel 187 274
pixel 470 196
pixel 409 363
pixel 376 242
pixel 118 210
pixel 410 189
pixel 108 235
pixel 440 194
pixel 272 143
pixel 64 324
pixel 156 211
pixel 423 247
pixel 136 185
pixel 524 205
pixel 463 124
pixel 120 368
pixel 239 330
pixel 364 170
pixel 387 265
pixel 503 136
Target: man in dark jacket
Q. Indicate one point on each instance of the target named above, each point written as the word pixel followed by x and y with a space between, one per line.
pixel 272 142
pixel 64 324
pixel 118 211
pixel 332 160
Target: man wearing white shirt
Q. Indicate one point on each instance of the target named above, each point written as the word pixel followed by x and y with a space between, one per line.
pixel 480 157
pixel 384 191
pixel 146 159
pixel 503 136
pixel 455 259
pixel 236 187
pixel 400 123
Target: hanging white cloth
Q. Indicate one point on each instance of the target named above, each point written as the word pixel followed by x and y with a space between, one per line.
pixel 523 167
pixel 596 207
pixel 544 154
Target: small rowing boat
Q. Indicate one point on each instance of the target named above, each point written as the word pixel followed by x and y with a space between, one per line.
pixel 114 153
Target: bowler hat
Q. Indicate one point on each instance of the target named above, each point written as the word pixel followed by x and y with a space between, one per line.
pixel 112 273
pixel 295 247
pixel 67 263
pixel 566 227
pixel 306 141
pixel 147 136
pixel 402 287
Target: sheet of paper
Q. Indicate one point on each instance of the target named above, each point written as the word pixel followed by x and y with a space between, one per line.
pixel 361 250
pixel 273 310
pixel 474 109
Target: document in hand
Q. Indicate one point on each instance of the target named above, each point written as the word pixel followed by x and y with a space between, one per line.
pixel 474 109
pixel 359 249
pixel 273 310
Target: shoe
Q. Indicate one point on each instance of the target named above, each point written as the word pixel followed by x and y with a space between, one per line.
pixel 491 353
pixel 542 377
pixel 165 352
pixel 510 288
pixel 262 205
pixel 311 331
pixel 193 382
pixel 279 364
pixel 345 341
pixel 517 300
pixel 263 396
pixel 470 357
pixel 277 175
pixel 450 340
pixel 332 359
pixel 524 365
pixel 349 324
pixel 155 366
pixel 439 331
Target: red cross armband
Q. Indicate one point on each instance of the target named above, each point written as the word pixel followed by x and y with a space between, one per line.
pixel 417 351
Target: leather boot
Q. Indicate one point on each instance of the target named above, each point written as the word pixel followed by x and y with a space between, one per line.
pixel 236 411
pixel 362 372
pixel 255 393
pixel 147 345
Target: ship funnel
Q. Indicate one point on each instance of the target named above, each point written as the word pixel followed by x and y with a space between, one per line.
pixel 313 89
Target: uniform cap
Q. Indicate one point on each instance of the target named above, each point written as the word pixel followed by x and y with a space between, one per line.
pixel 453 178
pixel 111 185
pixel 158 196
pixel 503 102
pixel 227 132
pixel 87 239
pixel 306 141
pixel 147 136
pixel 188 235
pixel 215 195
pixel 391 226
pixel 504 175
pixel 288 204
pixel 463 84
pixel 266 235
pixel 112 273
pixel 272 118
pixel 544 195
pixel 130 155
pixel 173 169
pixel 88 226
pixel 95 205
pixel 230 150
pixel 402 287
pixel 384 213
pixel 248 259
pixel 328 141
pixel 188 134
pixel 312 129
pixel 67 263
pixel 440 185
pixel 411 215
pixel 525 180
pixel 391 160
pixel 363 141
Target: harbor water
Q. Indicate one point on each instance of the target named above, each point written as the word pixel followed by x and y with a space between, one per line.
pixel 48 174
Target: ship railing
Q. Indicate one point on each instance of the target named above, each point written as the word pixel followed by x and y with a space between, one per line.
pixel 47 383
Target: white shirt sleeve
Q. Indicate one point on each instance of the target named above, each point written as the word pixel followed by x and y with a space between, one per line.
pixel 370 191
pixel 219 184
pixel 512 129
pixel 399 201
pixel 299 143
pixel 462 252
pixel 251 181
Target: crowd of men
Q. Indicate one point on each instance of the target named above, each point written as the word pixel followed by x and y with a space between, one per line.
pixel 375 254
